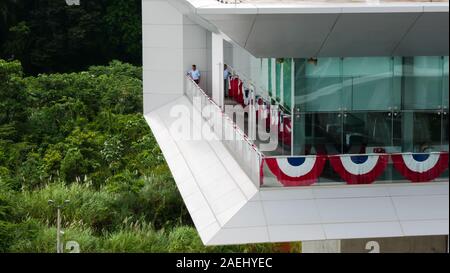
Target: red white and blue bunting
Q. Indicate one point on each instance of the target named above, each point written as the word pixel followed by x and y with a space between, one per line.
pixel 296 171
pixel 420 167
pixel 359 169
pixel 354 169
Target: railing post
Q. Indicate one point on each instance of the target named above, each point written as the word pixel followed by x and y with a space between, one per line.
pixel 241 148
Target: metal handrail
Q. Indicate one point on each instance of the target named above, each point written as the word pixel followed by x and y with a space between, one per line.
pixel 244 151
pixel 247 79
pixel 235 127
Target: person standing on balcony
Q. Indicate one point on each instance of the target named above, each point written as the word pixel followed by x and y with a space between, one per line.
pixel 226 76
pixel 194 74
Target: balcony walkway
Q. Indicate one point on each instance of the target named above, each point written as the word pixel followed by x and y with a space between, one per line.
pixel 227 207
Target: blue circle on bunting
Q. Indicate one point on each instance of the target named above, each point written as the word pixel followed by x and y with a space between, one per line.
pixel 296 161
pixel 420 157
pixel 359 159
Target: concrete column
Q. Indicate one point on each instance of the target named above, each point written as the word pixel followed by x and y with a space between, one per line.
pixel 171 44
pixel 217 68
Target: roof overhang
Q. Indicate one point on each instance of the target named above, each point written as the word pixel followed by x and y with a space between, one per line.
pixel 300 29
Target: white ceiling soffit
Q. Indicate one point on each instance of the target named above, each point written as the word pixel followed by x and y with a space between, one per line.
pixel 428 35
pixel 305 30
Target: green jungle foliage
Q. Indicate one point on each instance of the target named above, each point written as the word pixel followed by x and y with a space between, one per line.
pixel 49 36
pixel 71 127
pixel 81 136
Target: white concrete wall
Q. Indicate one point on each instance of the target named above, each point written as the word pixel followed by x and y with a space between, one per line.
pixel 228 53
pixel 249 67
pixel 171 44
pixel 242 60
pixel 162 38
pixel 197 50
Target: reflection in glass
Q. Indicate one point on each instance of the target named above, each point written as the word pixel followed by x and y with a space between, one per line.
pixel 421 132
pixel 367 132
pixel 318 133
pixel 317 94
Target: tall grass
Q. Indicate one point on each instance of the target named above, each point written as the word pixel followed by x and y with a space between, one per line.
pixel 86 205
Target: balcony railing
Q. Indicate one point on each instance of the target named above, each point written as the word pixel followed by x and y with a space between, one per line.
pixel 242 149
pixel 377 165
pixel 380 168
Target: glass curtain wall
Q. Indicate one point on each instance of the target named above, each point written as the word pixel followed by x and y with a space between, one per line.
pixel 363 105
pixel 357 105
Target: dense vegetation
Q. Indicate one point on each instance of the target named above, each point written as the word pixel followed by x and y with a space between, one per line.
pixel 49 36
pixel 82 137
pixel 71 128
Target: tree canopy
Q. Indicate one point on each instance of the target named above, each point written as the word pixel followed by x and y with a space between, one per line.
pixel 50 36
pixel 81 136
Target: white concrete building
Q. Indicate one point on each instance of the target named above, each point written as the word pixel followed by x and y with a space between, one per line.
pixel 360 90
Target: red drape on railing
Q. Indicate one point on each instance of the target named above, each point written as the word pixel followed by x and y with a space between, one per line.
pixel 359 169
pixel 354 169
pixel 420 167
pixel 296 171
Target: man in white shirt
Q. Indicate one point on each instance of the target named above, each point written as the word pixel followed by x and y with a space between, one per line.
pixel 226 75
pixel 194 74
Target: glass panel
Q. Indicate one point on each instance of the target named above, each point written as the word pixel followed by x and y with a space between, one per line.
pixel 365 66
pixel 365 106
pixel 422 92
pixel 372 86
pixel 321 94
pixel 319 86
pixel 422 83
pixel 421 131
pixel 372 93
pixel 396 95
pixel 367 132
pixel 318 133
